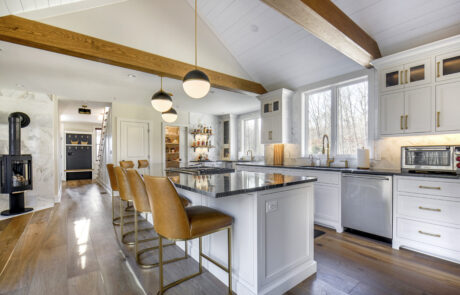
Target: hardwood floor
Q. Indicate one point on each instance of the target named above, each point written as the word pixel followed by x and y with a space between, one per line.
pixel 73 249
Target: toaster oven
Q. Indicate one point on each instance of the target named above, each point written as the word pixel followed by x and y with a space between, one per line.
pixel 444 159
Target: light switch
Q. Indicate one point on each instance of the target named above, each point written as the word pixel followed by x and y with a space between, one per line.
pixel 271 206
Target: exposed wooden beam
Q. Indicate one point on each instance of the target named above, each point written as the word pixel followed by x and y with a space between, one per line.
pixel 38 35
pixel 328 23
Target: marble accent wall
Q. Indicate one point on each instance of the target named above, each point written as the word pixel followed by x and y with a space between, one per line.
pixel 37 139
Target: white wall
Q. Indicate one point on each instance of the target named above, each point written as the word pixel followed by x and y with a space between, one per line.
pixel 161 27
pixel 38 139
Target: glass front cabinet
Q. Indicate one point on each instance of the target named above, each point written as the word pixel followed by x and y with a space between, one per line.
pixel 448 66
pixel 407 75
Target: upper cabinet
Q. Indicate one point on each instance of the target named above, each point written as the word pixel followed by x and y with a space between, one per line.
pixel 419 90
pixel 448 66
pixel 275 110
pixel 406 75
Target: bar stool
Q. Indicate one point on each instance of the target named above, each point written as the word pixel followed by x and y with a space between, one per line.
pixel 174 222
pixel 142 205
pixel 114 187
pixel 143 164
pixel 126 164
pixel 127 196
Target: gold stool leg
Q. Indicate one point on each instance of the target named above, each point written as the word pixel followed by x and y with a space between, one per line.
pixel 121 220
pixel 200 255
pixel 229 237
pixel 160 241
pixel 113 211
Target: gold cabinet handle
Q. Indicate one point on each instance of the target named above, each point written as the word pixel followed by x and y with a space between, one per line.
pixel 429 209
pixel 401 76
pixel 428 234
pixel 430 187
pixel 438 117
pixel 407 116
pixel 402 118
pixel 437 69
pixel 406 76
pixel 270 135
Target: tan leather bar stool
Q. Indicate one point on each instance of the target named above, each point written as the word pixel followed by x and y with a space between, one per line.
pixel 174 222
pixel 114 187
pixel 142 205
pixel 143 164
pixel 127 196
pixel 127 165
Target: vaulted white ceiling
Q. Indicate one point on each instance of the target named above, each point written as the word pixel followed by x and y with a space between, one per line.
pixel 398 25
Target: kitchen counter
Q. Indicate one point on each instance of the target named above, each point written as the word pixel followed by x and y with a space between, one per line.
pixel 353 170
pixel 238 182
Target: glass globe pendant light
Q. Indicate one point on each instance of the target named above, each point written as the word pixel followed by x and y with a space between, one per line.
pixel 196 83
pixel 169 116
pixel 161 101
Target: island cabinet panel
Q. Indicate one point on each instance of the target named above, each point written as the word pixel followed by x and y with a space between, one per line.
pixel 272 242
pixel 425 216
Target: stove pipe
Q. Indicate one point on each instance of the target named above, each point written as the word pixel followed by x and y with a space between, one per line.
pixel 16 122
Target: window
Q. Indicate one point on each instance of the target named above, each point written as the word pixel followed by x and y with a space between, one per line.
pixel 341 112
pixel 251 136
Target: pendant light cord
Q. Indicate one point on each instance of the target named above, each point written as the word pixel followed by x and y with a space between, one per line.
pixel 196 42
pixel 161 83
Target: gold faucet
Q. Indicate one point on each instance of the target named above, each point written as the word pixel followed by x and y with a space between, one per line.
pixel 250 152
pixel 329 160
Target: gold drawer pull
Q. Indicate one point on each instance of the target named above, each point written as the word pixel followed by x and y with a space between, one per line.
pixel 428 234
pixel 437 69
pixel 438 115
pixel 405 73
pixel 429 209
pixel 407 116
pixel 402 126
pixel 430 187
pixel 402 79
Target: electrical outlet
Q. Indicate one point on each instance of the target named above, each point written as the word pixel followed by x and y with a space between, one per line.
pixel 271 206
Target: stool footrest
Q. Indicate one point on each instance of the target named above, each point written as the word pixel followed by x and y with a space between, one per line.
pixel 215 262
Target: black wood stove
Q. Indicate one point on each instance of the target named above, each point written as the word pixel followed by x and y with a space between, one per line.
pixel 16 169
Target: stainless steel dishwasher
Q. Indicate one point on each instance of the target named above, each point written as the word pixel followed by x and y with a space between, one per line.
pixel 367 203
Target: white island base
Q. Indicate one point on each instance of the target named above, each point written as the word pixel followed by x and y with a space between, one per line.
pixel 273 235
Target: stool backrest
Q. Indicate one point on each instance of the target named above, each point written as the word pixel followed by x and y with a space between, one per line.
pixel 123 185
pixel 140 197
pixel 142 164
pixel 112 177
pixel 169 216
pixel 127 164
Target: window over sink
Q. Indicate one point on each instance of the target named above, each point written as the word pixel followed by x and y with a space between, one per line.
pixel 340 111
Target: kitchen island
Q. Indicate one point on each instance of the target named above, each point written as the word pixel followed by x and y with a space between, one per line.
pixel 272 233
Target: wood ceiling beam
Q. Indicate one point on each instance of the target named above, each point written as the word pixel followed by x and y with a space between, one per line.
pixel 327 22
pixel 42 36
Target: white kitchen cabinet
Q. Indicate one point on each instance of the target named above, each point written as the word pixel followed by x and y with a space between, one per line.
pixel 447 107
pixel 418 110
pixel 425 216
pixel 392 113
pixel 392 78
pixel 448 66
pixel 275 116
pixel 407 75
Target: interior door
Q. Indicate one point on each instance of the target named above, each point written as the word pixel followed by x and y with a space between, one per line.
pixel 392 113
pixel 418 110
pixel 134 141
pixel 447 106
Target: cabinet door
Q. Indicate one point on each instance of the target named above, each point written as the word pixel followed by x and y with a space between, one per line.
pixel 277 129
pixel 392 78
pixel 417 73
pixel 392 113
pixel 447 107
pixel 448 66
pixel 266 130
pixel 418 109
pixel 327 204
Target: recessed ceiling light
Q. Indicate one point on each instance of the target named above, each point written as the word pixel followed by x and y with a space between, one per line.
pixel 132 76
pixel 254 28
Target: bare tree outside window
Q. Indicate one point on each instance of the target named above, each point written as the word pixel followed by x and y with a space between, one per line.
pixel 352 118
pixel 319 119
pixel 251 136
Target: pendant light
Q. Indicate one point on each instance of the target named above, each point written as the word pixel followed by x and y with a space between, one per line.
pixel 161 101
pixel 169 116
pixel 196 83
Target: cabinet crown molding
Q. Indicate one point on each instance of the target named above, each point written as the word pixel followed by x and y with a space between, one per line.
pixel 436 47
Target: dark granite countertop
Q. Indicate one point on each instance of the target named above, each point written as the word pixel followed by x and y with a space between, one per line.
pixel 239 182
pixel 353 170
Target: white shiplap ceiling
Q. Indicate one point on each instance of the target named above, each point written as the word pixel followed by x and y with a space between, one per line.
pixel 398 25
pixel 274 50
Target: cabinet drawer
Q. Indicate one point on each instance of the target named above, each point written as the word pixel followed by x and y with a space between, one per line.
pixel 440 236
pixel 429 209
pixel 429 187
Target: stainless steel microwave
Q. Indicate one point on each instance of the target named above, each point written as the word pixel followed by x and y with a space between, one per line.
pixel 444 158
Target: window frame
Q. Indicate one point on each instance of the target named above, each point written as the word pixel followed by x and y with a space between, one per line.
pixel 258 127
pixel 334 88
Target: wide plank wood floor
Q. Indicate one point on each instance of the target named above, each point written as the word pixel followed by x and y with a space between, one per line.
pixel 73 249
